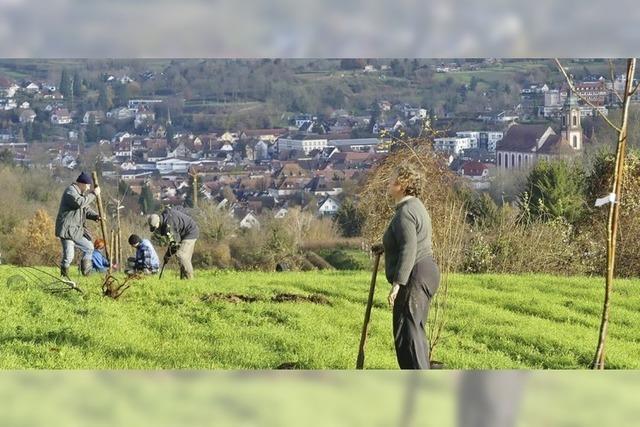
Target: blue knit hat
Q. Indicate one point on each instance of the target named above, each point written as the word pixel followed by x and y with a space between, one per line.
pixel 84 178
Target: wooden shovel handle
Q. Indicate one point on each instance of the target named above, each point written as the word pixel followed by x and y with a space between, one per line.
pixel 103 219
pixel 367 314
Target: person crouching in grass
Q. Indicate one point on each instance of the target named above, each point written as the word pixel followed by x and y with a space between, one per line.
pixel 146 260
pixel 99 261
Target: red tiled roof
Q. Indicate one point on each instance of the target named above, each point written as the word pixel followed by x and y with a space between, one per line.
pixel 473 168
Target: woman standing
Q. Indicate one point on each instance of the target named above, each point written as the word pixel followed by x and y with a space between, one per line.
pixel 410 269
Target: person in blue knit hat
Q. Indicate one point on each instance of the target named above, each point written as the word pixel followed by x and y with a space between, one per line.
pixel 75 208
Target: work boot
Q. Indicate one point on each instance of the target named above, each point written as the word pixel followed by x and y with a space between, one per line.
pixel 64 271
pixel 86 267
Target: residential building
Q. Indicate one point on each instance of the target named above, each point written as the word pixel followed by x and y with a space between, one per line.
pixel 328 207
pixel 168 166
pixel 306 143
pixel 453 145
pixel 477 173
pixel 98 117
pixel 61 116
pixel 27 116
pixel 483 140
pixel 532 98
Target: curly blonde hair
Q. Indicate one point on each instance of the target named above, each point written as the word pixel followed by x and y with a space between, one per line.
pixel 410 179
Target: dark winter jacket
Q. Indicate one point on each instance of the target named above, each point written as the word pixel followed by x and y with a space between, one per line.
pixel 73 211
pixel 177 226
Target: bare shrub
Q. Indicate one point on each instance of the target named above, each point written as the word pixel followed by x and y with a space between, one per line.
pixel 35 242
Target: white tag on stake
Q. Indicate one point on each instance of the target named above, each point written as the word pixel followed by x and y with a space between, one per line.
pixel 610 198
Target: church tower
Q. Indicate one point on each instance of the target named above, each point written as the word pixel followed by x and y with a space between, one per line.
pixel 571 127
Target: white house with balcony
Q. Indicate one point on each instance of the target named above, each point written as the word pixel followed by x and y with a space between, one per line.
pixel 486 140
pixel 454 145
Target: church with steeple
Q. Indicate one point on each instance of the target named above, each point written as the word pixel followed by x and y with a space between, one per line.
pixel 523 145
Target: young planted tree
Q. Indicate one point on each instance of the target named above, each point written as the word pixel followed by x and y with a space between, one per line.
pixel 615 196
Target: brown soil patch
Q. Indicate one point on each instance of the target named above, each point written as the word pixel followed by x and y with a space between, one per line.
pixel 314 298
pixel 233 298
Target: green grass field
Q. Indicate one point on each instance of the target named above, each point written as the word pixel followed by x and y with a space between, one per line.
pixel 242 320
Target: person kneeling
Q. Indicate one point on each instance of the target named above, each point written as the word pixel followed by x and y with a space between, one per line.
pixel 146 260
pixel 99 261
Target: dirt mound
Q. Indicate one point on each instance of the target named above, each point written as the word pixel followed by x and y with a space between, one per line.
pixel 233 298
pixel 284 297
pixel 314 298
pixel 289 365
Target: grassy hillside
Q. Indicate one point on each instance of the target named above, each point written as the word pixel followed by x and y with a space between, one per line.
pixel 251 320
pixel 165 398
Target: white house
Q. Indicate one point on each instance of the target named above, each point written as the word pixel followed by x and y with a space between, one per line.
pixel 122 114
pixel 230 137
pixel 305 143
pixel 261 151
pixel 486 140
pixel 329 207
pixel 8 88
pixel 31 87
pixel 282 212
pixel 27 116
pixel 135 103
pixel 454 145
pixel 143 117
pixel 356 144
pixel 98 117
pixel 61 116
pixel 8 104
pixel 167 166
pixel 249 221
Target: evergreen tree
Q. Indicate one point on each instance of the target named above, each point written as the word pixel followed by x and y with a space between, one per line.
pixel 66 85
pixel 78 88
pixel 350 219
pixel 92 132
pixel 554 190
pixel 122 94
pixel 375 115
pixel 105 98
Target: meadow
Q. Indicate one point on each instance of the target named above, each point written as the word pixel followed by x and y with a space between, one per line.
pixel 311 320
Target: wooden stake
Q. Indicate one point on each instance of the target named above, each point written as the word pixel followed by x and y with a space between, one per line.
pixel 113 244
pixel 614 213
pixel 118 252
pixel 194 187
pixel 367 314
pixel 103 218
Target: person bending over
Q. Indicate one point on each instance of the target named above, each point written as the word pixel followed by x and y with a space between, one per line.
pixel 181 232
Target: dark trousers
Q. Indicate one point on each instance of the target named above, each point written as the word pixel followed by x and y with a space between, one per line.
pixel 410 313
